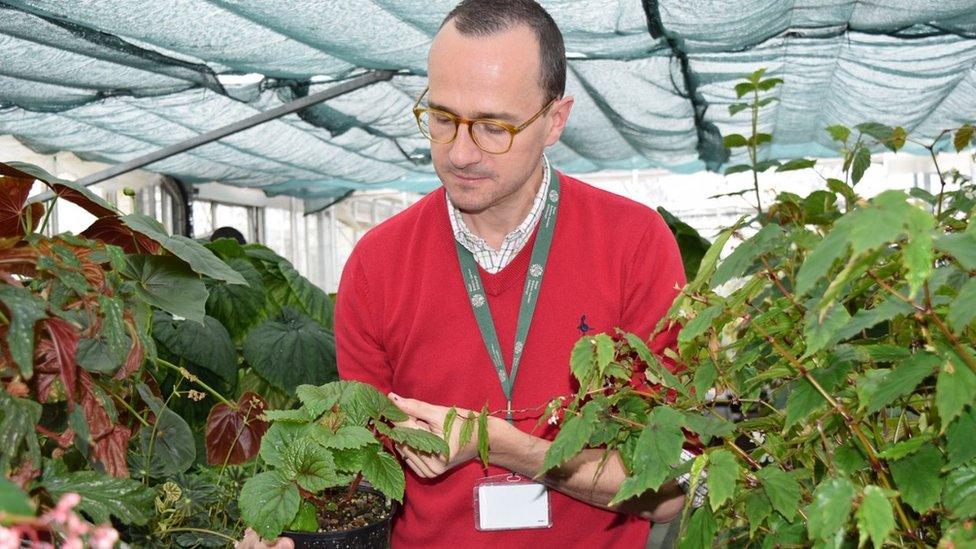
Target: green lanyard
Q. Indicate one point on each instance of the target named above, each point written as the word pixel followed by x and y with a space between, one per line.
pixel 533 281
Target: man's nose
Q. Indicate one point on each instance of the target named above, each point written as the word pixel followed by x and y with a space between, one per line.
pixel 464 152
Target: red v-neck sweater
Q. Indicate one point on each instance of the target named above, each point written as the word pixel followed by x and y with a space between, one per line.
pixel 404 324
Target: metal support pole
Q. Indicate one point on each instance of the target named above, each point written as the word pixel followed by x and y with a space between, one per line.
pixel 241 125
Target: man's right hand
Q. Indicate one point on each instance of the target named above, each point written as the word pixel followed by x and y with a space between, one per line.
pixel 252 541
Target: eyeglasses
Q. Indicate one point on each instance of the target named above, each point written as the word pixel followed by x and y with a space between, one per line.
pixel 491 136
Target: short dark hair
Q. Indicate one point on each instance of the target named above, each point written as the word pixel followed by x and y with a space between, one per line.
pixel 228 232
pixel 488 17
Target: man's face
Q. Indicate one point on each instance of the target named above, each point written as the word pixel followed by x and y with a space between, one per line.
pixel 490 77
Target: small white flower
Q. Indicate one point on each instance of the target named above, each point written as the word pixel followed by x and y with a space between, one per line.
pixel 554 195
pixel 535 270
pixel 477 300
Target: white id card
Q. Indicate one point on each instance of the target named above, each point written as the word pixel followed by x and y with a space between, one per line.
pixel 510 502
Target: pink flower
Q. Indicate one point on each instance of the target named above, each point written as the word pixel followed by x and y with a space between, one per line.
pixel 72 543
pixel 103 537
pixel 9 538
pixel 62 510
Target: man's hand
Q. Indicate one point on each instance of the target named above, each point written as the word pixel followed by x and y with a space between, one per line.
pixel 430 417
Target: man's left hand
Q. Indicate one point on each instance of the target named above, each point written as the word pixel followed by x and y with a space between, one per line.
pixel 430 417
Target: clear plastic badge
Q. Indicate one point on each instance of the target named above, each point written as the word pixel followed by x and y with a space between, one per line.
pixel 510 502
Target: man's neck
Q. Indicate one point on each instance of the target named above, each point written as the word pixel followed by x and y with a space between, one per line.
pixel 496 222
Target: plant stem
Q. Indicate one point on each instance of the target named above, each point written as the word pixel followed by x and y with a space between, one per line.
pixel 203 531
pixel 754 147
pixel 779 284
pixel 187 375
pixel 47 214
pixel 131 410
pixel 931 149
pixel 956 345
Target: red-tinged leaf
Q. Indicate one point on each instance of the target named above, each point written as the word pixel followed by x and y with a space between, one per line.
pixel 234 436
pixel 68 190
pixel 134 359
pixel 110 439
pixel 111 230
pixel 13 197
pixel 55 357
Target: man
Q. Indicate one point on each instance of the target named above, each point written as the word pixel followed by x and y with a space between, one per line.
pixel 407 316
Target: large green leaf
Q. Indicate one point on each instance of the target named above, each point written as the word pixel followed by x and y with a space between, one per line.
pixel 291 350
pixel 701 529
pixel 102 496
pixel 362 402
pixel 282 436
pixel 960 437
pixel 582 360
pixel 168 443
pixel 917 477
pixel 804 397
pixel 868 318
pixel 658 450
pixel 310 465
pixel 307 297
pixel 757 509
pixel 902 380
pixel 782 490
pixel 862 160
pixel 962 310
pixel 348 437
pixel 955 388
pixel 573 435
pixel 820 326
pixel 71 191
pixel 907 447
pixel 830 509
pixel 384 472
pixel 708 263
pixel 268 503
pixel 745 254
pixel 200 259
pixel 167 283
pixel 206 345
pixel 723 471
pixel 25 310
pixel 236 306
pixel 874 516
pixel 961 246
pixel 959 493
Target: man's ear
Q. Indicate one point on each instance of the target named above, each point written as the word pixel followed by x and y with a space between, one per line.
pixel 559 115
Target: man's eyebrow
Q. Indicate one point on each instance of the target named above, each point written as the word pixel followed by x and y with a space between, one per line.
pixel 506 117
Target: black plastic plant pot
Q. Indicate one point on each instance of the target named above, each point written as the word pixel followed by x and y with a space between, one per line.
pixel 371 536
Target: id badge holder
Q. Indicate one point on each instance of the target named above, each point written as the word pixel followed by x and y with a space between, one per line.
pixel 510 502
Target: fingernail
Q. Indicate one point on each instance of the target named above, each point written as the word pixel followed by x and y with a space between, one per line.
pixel 393 396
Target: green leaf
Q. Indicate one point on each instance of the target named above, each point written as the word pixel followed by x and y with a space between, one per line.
pixel 738 168
pixel 236 306
pixel 745 254
pixel 736 108
pixel 962 310
pixel 199 258
pixel 862 160
pixel 700 533
pixel 582 361
pixel 820 260
pixel 902 380
pixel 102 496
pixel 204 345
pixel 483 445
pixel 959 493
pixel 708 426
pixel 108 351
pixel 839 133
pixel 797 164
pixel 658 450
pixel 307 297
pixel 268 502
pixel 782 490
pixel 959 438
pixel 281 436
pixel 349 437
pixel 167 283
pixel 701 323
pixel 918 256
pixel 309 465
pixel 769 83
pixel 874 517
pixel 804 397
pixel 605 351
pixel 906 447
pixel 362 402
pixel 383 471
pixel 418 439
pixel 723 471
pixel 743 88
pixel 830 509
pixel 961 246
pixel 820 326
pixel 842 189
pixel 757 509
pixel 955 388
pixel 734 140
pixel 318 399
pixel 290 350
pixel 572 437
pixel 449 424
pixel 467 429
pixel 849 459
pixel 654 365
pixel 168 443
pixel 25 309
pixel 17 430
pixel 13 500
pixel 766 164
pixel 917 477
pixel 307 518
pixel 963 136
pixel 864 319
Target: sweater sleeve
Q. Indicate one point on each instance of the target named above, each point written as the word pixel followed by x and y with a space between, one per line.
pixel 652 282
pixel 359 350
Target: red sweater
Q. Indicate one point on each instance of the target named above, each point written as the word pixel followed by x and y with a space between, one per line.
pixel 404 324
